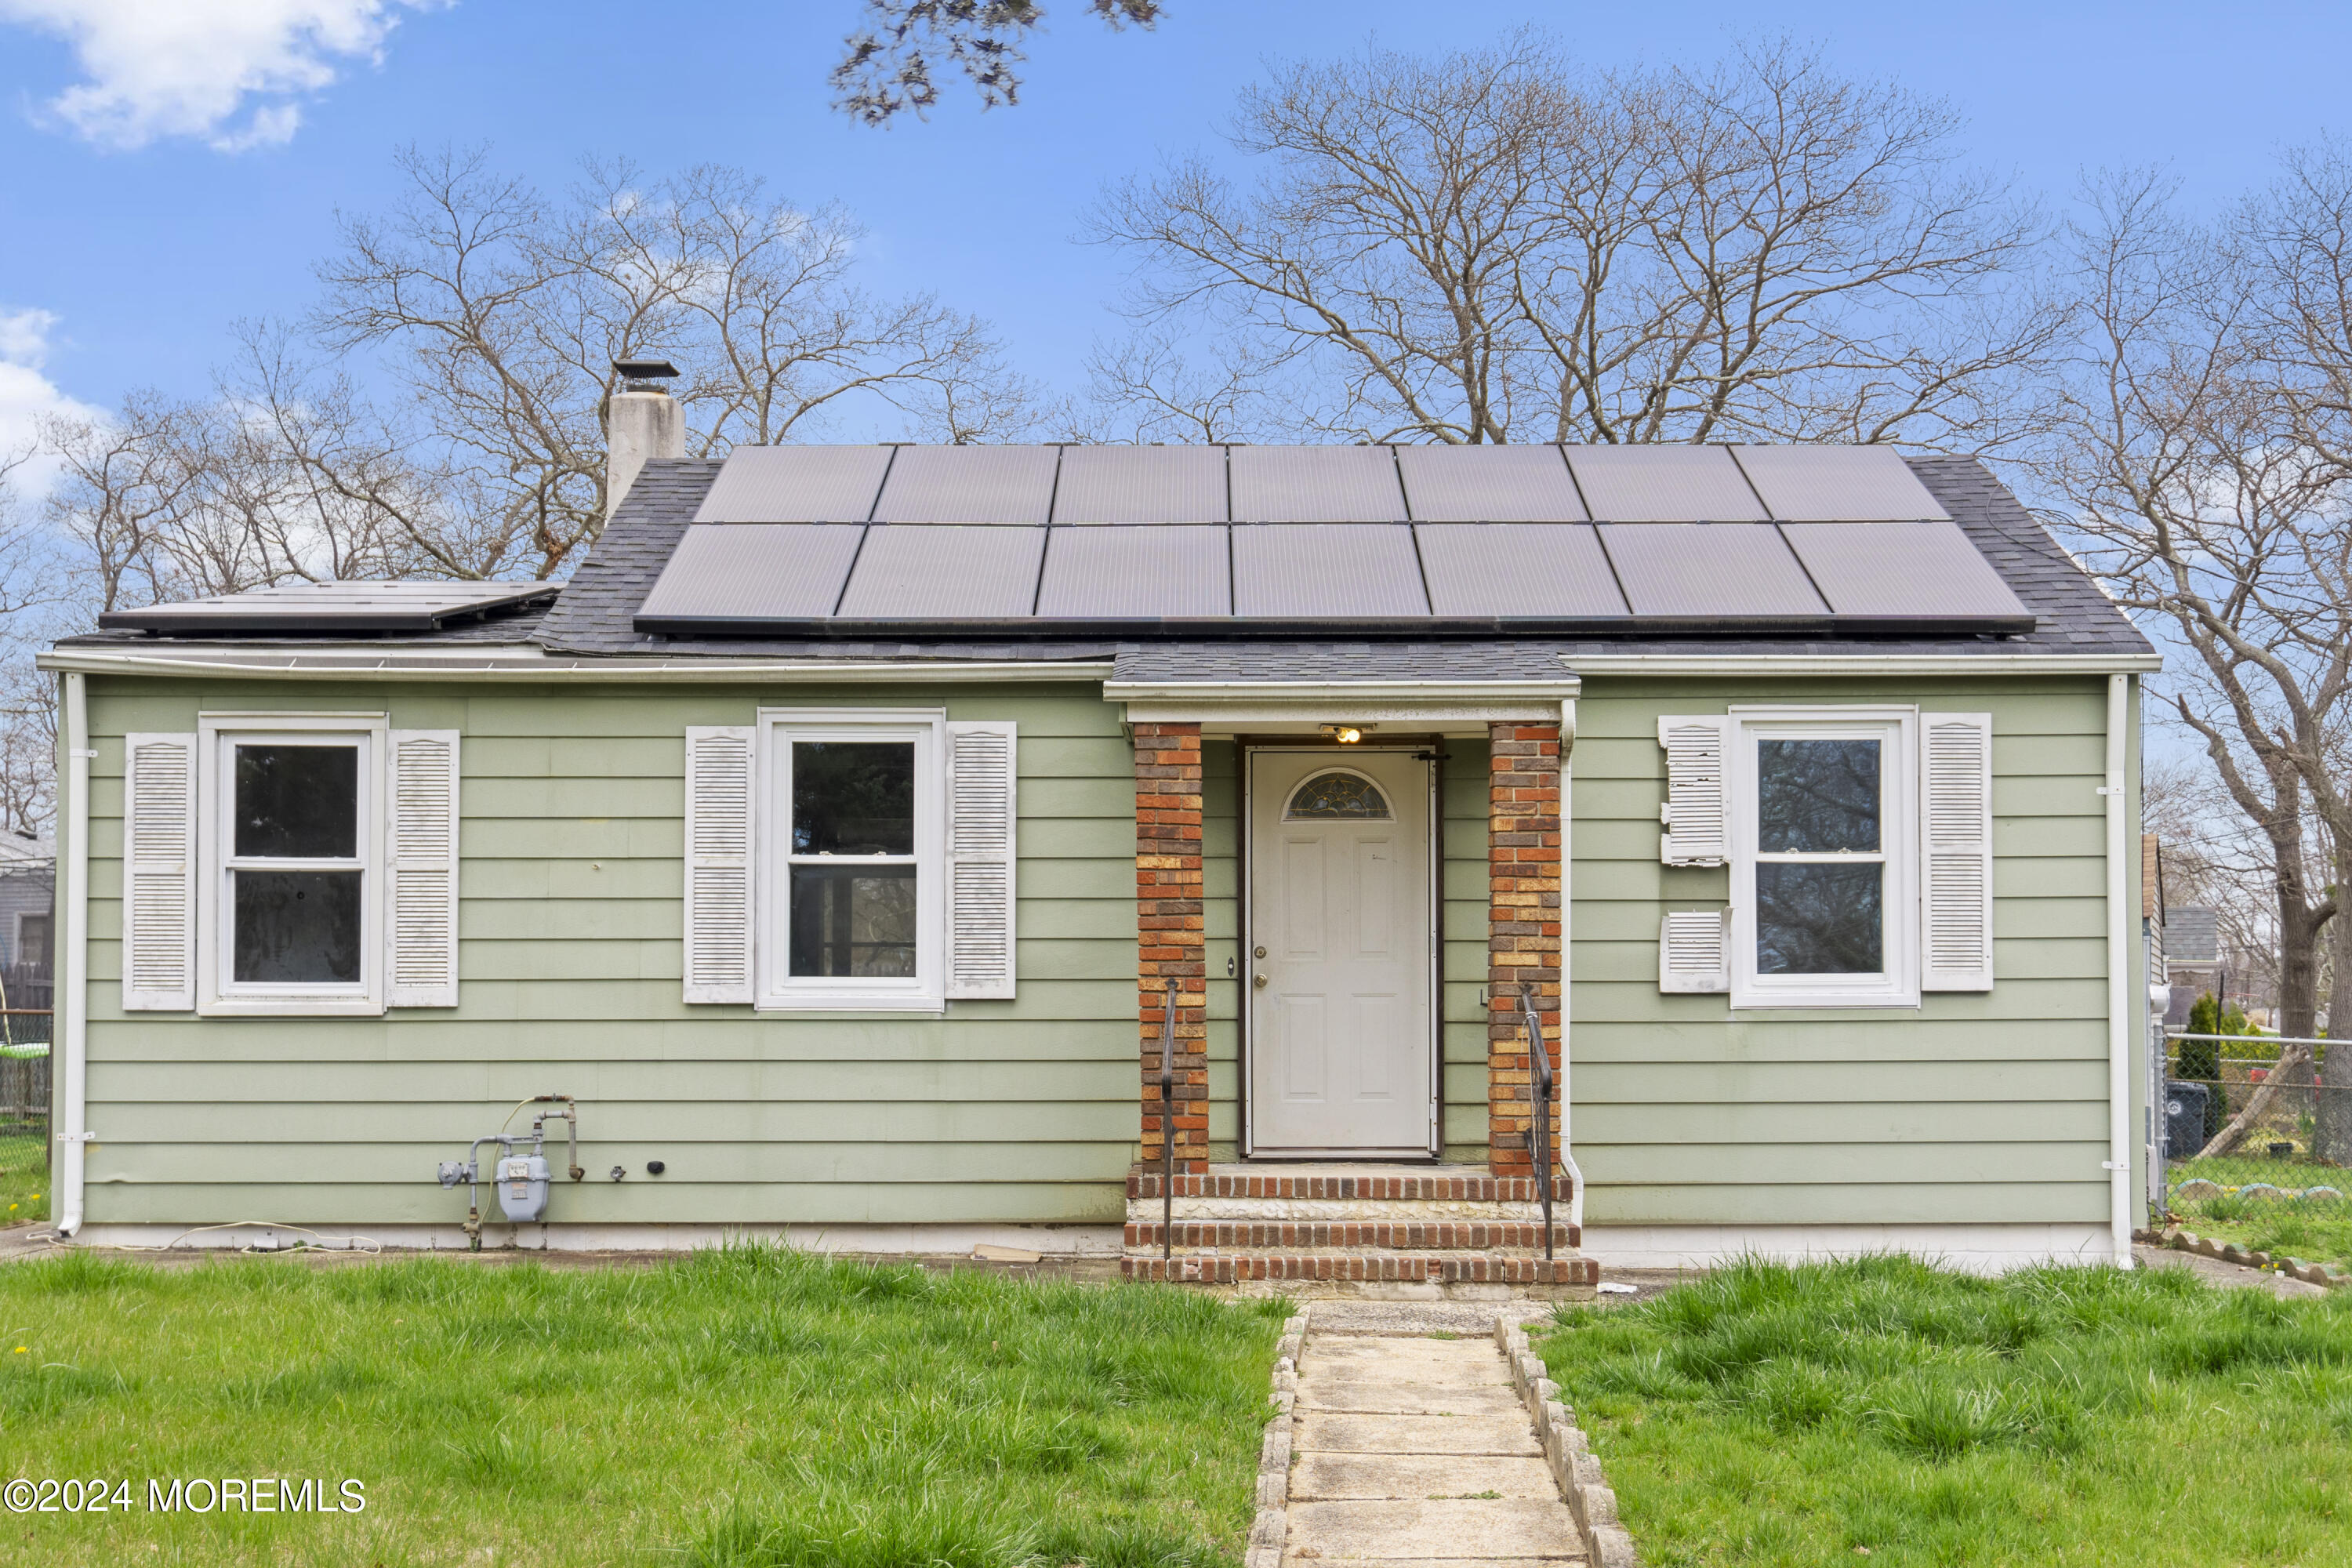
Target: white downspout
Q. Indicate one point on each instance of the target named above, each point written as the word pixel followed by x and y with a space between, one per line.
pixel 73 984
pixel 2120 1013
pixel 1567 1100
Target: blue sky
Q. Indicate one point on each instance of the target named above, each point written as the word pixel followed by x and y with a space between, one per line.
pixel 149 202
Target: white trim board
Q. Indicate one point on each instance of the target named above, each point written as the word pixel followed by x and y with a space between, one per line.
pixel 1773 663
pixel 1059 1241
pixel 1973 1249
pixel 355 665
pixel 1224 718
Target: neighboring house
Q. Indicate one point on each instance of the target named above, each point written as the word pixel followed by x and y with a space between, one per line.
pixel 833 835
pixel 2192 958
pixel 27 890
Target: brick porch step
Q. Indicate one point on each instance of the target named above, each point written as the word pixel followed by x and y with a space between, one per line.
pixel 1364 1267
pixel 1440 1184
pixel 1372 1234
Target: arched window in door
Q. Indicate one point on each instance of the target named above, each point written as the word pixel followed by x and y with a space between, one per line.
pixel 1339 796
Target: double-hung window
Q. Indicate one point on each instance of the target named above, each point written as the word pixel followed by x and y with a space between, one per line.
pixel 293 852
pixel 854 897
pixel 1823 897
pixel 1859 844
pixel 850 860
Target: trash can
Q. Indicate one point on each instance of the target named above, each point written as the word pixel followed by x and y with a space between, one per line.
pixel 2184 1117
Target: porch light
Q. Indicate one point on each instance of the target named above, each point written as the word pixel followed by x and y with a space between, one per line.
pixel 1346 734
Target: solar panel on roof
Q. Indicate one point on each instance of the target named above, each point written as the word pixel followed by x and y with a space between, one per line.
pixel 1725 571
pixel 1167 572
pixel 795 484
pixel 969 484
pixel 944 572
pixel 753 571
pixel 1837 484
pixel 330 607
pixel 1142 484
pixel 1488 484
pixel 1901 571
pixel 1316 484
pixel 1662 484
pixel 1310 571
pixel 1516 570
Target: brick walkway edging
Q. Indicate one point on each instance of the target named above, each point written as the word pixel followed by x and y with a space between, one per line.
pixel 1574 1465
pixel 1272 1526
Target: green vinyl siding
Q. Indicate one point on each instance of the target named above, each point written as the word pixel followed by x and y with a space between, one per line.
pixel 569 958
pixel 1971 1108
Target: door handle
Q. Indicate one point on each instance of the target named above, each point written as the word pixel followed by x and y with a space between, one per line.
pixel 1258 981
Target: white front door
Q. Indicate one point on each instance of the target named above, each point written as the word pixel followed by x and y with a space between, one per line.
pixel 1340 954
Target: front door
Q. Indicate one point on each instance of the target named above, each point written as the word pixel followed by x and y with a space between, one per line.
pixel 1340 954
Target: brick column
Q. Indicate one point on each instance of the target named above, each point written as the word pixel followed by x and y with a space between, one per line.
pixel 1170 931
pixel 1523 925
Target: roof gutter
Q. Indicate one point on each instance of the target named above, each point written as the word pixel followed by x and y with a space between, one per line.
pixel 540 667
pixel 1555 688
pixel 1777 664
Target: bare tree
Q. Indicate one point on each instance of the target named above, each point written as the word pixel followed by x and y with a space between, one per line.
pixel 29 584
pixel 501 312
pixel 886 67
pixel 1154 387
pixel 1496 245
pixel 2196 461
pixel 2213 859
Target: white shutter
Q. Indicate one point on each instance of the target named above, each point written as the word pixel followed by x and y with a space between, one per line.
pixel 980 859
pixel 159 873
pixel 1693 952
pixel 719 776
pixel 1956 851
pixel 420 921
pixel 1696 811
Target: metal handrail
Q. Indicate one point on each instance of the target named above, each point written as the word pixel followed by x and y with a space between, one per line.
pixel 1168 1126
pixel 1539 1082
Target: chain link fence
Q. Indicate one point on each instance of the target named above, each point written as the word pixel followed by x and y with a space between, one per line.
pixel 26 1021
pixel 2280 1182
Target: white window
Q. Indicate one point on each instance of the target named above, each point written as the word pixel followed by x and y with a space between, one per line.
pixel 290 865
pixel 296 864
pixel 849 861
pixel 851 912
pixel 1859 843
pixel 1823 896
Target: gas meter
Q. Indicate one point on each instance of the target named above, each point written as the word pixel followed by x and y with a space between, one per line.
pixel 521 1172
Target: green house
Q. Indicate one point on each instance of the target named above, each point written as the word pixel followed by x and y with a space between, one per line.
pixel 916 849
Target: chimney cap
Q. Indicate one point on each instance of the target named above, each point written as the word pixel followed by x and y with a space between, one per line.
pixel 645 369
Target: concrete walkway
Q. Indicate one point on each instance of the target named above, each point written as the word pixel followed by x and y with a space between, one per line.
pixel 1411 1450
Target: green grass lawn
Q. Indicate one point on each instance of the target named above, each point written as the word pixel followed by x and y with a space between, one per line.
pixel 1887 1411
pixel 24 1175
pixel 2317 1230
pixel 749 1406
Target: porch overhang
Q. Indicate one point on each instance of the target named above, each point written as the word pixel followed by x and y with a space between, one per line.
pixel 1281 708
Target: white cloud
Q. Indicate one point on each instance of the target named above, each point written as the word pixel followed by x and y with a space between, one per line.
pixel 225 72
pixel 27 393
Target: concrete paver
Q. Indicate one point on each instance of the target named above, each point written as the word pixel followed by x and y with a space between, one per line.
pixel 1324 1431
pixel 1419 1397
pixel 2220 1271
pixel 1412 1449
pixel 1323 1477
pixel 1498 1527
